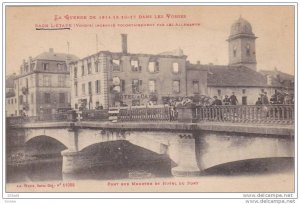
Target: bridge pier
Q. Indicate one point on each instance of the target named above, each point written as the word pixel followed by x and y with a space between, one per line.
pixel 187 161
pixel 71 161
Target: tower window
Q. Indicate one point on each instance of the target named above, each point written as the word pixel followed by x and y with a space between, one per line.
pixel 234 51
pixel 248 50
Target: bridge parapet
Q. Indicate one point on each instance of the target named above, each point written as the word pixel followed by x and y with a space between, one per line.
pixel 264 114
pixel 267 114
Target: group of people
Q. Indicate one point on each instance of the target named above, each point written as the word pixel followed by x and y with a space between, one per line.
pixel 263 99
pixel 232 100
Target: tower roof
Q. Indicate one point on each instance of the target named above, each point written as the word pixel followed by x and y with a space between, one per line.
pixel 241 26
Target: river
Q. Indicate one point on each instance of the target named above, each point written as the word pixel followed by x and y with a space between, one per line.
pixel 264 174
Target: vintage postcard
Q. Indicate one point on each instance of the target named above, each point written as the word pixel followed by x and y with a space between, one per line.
pixel 150 98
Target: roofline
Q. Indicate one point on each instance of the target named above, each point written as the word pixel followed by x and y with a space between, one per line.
pixel 128 54
pixel 213 85
pixel 241 35
pixel 52 60
pixel 196 68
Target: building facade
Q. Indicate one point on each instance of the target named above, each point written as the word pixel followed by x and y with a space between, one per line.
pixel 108 79
pixel 43 84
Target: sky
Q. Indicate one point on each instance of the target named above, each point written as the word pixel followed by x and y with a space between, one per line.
pixel 206 42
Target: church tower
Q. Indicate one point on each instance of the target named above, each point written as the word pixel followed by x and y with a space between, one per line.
pixel 242 45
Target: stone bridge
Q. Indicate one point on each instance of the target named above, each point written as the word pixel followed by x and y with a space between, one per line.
pixel 193 147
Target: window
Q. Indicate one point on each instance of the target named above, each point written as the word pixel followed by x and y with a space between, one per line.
pixel 96 67
pixel 116 65
pixel 248 49
pixel 12 101
pixel 46 80
pixel 196 86
pixel 97 87
pixel 31 81
pixel 244 91
pixel 45 66
pixel 61 81
pixel 135 102
pixel 176 86
pixel 31 97
pixel 175 68
pixel 47 97
pixel 82 70
pixel 89 68
pixel 83 89
pixel 76 88
pixel 135 66
pixel 153 67
pixel 90 88
pixel 32 65
pixel 152 86
pixel 8 101
pixel 244 100
pixel 123 85
pixel 75 72
pixel 76 106
pixel 219 92
pixel 60 66
pixel 136 85
pixel 262 90
pixel 234 51
pixel 62 98
pixel 15 100
pixel 26 83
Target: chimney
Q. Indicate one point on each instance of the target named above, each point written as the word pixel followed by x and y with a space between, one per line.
pixel 198 62
pixel 124 43
pixel 269 80
pixel 51 50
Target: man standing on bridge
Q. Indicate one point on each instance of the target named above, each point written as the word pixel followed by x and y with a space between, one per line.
pixel 233 99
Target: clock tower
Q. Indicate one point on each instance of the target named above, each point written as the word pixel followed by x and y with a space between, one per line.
pixel 242 45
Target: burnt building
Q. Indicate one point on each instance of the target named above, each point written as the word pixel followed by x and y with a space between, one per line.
pixel 127 79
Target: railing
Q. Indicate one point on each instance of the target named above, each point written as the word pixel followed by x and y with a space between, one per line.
pixel 281 114
pixel 246 114
pixel 41 118
pixel 95 115
pixel 145 114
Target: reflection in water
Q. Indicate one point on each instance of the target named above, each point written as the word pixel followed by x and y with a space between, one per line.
pixel 44 169
pixel 51 169
pixel 253 167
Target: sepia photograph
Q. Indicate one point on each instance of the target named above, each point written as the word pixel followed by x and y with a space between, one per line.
pixel 150 98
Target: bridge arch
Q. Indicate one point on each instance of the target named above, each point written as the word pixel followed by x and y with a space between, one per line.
pixel 61 135
pixel 258 165
pixel 43 144
pixel 217 149
pixel 122 153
